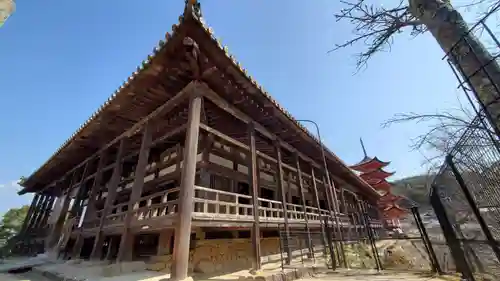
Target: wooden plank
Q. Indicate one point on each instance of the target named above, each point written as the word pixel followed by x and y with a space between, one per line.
pixel 253 173
pixel 183 227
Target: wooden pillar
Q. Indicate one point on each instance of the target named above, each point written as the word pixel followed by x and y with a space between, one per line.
pixel 281 189
pixel 64 187
pixel 38 212
pixel 76 211
pixel 316 198
pixel 183 228
pixel 47 212
pixel 300 185
pixel 253 173
pixel 96 186
pixel 35 224
pixel 110 198
pixel 29 215
pixel 126 242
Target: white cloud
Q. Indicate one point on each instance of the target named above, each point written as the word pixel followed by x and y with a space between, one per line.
pixel 10 185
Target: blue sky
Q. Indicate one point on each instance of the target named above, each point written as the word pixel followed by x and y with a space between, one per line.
pixel 59 60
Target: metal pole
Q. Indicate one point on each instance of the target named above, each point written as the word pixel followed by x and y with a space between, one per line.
pixel 335 204
pixel 475 209
pixel 450 236
pixel 427 242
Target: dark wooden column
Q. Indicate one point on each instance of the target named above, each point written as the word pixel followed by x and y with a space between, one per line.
pixel 29 215
pixel 96 186
pixel 35 213
pixel 48 211
pixel 110 198
pixel 282 191
pixel 126 242
pixel 183 228
pixel 63 187
pixel 316 199
pixel 253 173
pixel 300 185
pixel 76 210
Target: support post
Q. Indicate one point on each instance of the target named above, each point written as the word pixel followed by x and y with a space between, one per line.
pixel 28 217
pixel 450 236
pixel 253 174
pixel 113 185
pixel 427 242
pixel 96 186
pixel 40 212
pixel 321 219
pixel 470 199
pixel 281 188
pixel 183 228
pixel 126 242
pixel 300 185
pixel 58 226
pixel 76 211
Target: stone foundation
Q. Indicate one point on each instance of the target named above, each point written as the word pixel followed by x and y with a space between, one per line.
pixel 219 255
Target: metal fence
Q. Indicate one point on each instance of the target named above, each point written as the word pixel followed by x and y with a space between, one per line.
pixel 466 199
pixel 465 193
pixel 364 245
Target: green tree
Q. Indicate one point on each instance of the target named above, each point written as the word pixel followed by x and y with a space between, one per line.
pixel 12 222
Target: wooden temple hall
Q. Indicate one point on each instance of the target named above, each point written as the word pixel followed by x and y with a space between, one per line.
pixel 189 155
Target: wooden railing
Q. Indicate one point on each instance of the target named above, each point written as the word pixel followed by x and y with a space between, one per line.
pixel 160 204
pixel 93 221
pixel 270 210
pixel 217 203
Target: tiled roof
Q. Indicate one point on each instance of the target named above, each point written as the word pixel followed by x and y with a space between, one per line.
pixel 196 15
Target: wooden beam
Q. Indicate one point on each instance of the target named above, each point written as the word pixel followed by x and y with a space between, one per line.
pixel 126 242
pixel 167 106
pixel 183 228
pixel 223 104
pixel 253 173
pixel 231 109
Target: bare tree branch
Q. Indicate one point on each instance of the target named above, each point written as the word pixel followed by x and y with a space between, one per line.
pixel 375 26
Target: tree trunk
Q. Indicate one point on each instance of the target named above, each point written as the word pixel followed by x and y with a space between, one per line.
pixel 465 51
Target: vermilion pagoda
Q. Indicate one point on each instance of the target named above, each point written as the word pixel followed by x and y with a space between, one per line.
pixel 371 170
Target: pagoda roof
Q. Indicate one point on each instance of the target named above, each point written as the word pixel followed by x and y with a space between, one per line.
pixel 382 185
pixel 369 164
pixel 389 197
pixel 394 211
pixel 125 107
pixel 376 175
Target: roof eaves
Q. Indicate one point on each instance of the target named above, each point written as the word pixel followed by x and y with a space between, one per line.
pixel 118 92
pixel 261 89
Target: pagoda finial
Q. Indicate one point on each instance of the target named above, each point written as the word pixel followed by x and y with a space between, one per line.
pixel 192 8
pixel 363 147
